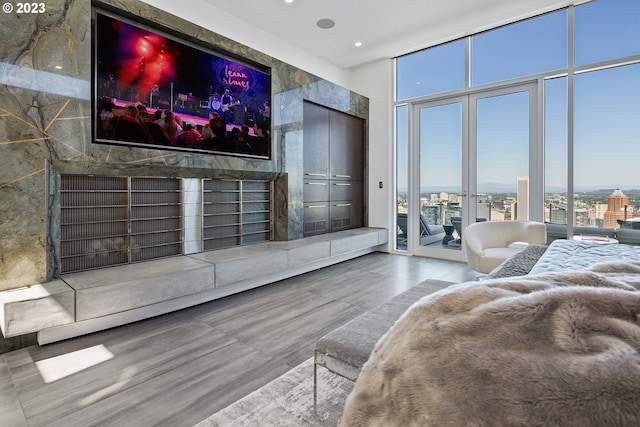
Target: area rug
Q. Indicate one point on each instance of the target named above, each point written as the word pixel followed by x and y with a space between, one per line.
pixel 288 401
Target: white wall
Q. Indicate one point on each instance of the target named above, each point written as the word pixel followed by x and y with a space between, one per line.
pixel 220 22
pixel 374 80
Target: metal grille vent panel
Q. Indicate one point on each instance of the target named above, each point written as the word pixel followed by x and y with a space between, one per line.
pixel 263 186
pixel 93 222
pixel 251 239
pixel 108 221
pixel 93 183
pixel 222 209
pixel 236 213
pixel 152 184
pixel 315 226
pixel 222 232
pixel 221 243
pixel 71 215
pixel 219 220
pixel 156 201
pixel 156 212
pixel 152 225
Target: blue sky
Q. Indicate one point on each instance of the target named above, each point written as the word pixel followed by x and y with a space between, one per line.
pixel 607 110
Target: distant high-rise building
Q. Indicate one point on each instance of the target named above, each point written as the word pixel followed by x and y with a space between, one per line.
pixel 559 215
pixel 497 216
pixel 600 208
pixel 483 211
pixel 432 214
pixel 581 218
pixel 617 202
pixel 522 197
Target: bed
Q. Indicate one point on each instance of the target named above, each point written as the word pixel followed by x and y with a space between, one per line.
pixel 563 255
pixel 559 346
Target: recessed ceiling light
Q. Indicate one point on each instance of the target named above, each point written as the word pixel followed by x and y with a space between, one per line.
pixel 326 23
pixel 358 44
pixel 288 1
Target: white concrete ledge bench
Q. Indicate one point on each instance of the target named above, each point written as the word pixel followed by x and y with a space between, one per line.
pixel 89 301
pixel 345 350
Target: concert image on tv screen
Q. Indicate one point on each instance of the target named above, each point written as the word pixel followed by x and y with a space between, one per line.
pixel 154 91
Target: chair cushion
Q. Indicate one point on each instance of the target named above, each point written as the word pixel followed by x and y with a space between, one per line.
pixel 493 257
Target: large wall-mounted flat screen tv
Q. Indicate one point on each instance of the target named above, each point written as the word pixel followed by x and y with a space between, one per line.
pixel 155 90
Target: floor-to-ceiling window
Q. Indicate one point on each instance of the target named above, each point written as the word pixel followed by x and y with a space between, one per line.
pixel 558 143
pixel 606 146
pixel 413 80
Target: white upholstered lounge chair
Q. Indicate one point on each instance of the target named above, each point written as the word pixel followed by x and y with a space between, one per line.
pixel 488 244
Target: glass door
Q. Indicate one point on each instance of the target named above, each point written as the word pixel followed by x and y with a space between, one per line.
pixel 503 128
pixel 440 174
pixel 473 158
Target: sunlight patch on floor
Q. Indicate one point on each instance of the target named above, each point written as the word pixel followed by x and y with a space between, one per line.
pixel 58 367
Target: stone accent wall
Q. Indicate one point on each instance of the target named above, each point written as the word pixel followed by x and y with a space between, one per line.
pixel 45 130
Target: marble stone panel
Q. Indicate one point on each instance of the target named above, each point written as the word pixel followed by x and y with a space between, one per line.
pixel 294 162
pixel 245 262
pixel 306 250
pixel 383 236
pixel 117 289
pixel 353 240
pixel 36 307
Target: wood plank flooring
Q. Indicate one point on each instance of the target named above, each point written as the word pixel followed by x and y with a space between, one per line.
pixel 179 368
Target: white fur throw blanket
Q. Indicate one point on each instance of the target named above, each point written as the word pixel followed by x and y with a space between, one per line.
pixel 554 349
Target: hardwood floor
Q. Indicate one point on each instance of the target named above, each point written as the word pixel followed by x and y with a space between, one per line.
pixel 179 368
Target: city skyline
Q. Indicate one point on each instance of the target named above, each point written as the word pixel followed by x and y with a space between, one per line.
pixel 497 188
pixel 602 210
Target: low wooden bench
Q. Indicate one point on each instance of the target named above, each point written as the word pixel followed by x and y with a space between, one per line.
pixel 345 350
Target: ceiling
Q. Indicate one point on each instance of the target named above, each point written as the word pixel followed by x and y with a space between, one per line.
pixel 386 29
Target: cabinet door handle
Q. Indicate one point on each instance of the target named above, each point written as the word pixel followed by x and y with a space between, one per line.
pixel 342 184
pixel 341 205
pixel 315 183
pixel 316 206
pixel 315 174
pixel 342 176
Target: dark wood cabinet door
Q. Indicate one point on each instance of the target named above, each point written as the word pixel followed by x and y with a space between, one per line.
pixel 357 209
pixel 346 146
pixel 341 216
pixel 333 170
pixel 316 218
pixel 341 190
pixel 315 190
pixel 345 205
pixel 315 141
